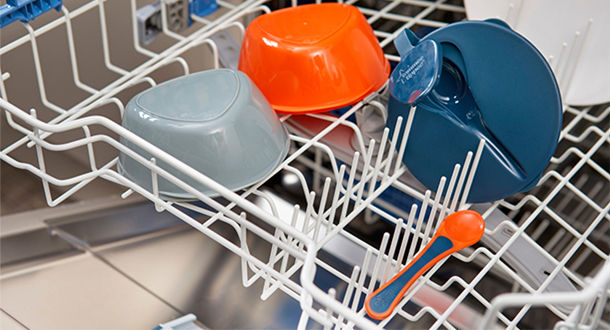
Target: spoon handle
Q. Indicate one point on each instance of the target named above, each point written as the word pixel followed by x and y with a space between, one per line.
pixel 382 302
pixel 457 231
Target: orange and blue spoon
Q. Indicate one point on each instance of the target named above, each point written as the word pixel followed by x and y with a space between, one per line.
pixel 457 231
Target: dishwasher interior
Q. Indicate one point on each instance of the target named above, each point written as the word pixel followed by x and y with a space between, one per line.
pixel 302 247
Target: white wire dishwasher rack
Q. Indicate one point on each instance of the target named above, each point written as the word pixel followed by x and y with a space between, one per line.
pixel 565 218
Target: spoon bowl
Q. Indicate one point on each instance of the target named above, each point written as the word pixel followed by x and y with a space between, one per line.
pixel 464 228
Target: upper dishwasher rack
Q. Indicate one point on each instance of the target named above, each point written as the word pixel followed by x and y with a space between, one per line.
pixel 73 112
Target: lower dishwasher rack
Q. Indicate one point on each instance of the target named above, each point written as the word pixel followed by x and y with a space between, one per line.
pixel 348 183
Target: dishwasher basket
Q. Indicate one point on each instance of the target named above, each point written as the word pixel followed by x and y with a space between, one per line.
pixel 73 112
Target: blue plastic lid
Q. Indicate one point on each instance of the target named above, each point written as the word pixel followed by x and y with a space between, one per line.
pixel 494 85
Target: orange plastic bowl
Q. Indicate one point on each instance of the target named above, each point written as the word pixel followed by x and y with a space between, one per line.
pixel 313 58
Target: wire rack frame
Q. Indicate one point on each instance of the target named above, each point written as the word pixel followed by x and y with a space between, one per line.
pixel 574 242
pixel 308 237
pixel 302 243
pixel 578 237
pixel 493 259
pixel 69 119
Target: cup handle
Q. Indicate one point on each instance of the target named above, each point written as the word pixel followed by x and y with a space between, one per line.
pixel 405 41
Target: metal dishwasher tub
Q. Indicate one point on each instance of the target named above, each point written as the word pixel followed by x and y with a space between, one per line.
pixel 135 268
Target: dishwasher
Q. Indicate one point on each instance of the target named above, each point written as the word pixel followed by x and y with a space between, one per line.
pixel 304 246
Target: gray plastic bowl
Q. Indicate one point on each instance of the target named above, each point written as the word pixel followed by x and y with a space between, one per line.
pixel 216 121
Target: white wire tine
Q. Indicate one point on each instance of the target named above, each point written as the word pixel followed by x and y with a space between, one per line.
pixel 304 319
pixel 432 219
pixel 429 225
pixel 382 144
pixel 452 181
pixel 559 63
pixel 569 63
pixel 244 246
pixel 351 285
pixel 90 150
pixel 379 160
pixel 460 183
pixel 126 193
pixel 336 194
pixel 321 208
pixel 348 189
pixel 365 168
pixel 155 183
pixel 405 138
pixel 422 216
pixel 329 313
pixel 415 235
pixel 515 21
pixel 378 261
pixel 73 60
pixel 263 195
pixel 348 293
pixel 363 273
pixel 39 74
pixel 581 45
pixel 509 10
pixel 105 44
pixel 308 213
pixel 317 169
pixel 402 249
pixel 41 162
pixel 272 255
pixel 392 150
pixel 3 77
pixel 409 232
pixel 294 221
pixel 289 239
pixel 473 172
pixel 393 245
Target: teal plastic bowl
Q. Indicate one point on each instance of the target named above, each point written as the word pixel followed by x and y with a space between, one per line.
pixel 216 121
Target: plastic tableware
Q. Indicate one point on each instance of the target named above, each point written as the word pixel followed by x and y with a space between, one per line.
pixel 459 230
pixel 215 121
pixel 202 7
pixel 580 61
pixel 483 92
pixel 313 58
pixel 418 71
